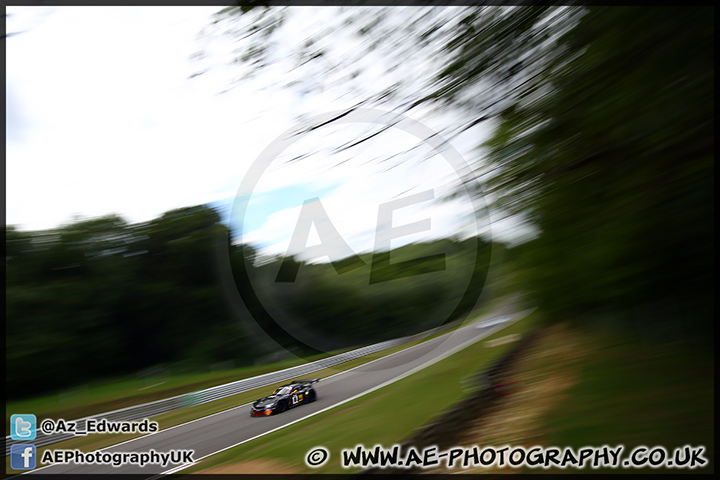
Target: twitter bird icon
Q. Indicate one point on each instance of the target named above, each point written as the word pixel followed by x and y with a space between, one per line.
pixel 23 426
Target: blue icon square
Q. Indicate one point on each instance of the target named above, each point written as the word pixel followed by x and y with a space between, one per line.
pixel 23 426
pixel 23 456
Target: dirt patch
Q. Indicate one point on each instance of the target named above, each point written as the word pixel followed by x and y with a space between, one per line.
pixel 261 466
pixel 542 374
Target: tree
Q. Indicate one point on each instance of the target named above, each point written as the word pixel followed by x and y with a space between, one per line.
pixel 625 138
pixel 99 298
pixel 602 129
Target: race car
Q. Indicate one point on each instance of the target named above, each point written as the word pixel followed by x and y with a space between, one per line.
pixel 297 392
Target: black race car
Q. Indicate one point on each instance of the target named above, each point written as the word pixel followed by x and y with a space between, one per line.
pixel 283 398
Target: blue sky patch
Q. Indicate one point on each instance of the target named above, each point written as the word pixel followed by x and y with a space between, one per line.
pixel 262 205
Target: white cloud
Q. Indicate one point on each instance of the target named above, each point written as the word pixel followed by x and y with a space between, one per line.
pixel 112 122
pixel 105 119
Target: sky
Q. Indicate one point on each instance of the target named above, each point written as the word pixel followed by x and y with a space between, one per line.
pixel 104 116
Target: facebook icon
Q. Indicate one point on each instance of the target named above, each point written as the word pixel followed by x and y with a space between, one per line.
pixel 22 456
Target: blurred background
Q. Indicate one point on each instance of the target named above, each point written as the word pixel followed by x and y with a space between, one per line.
pixel 588 132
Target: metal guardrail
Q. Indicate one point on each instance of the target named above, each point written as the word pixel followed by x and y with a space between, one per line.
pixel 151 409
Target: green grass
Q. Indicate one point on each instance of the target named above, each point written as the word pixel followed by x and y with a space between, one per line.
pixel 631 394
pixel 385 416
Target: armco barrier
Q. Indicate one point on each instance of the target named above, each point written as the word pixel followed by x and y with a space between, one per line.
pixel 147 410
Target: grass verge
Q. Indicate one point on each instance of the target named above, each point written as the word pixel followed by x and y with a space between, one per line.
pixel 638 394
pixel 583 388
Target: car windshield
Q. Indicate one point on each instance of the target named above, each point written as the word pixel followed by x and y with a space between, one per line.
pixel 282 390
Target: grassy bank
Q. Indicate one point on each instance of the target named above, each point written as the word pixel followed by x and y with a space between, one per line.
pixel 589 388
pixel 638 394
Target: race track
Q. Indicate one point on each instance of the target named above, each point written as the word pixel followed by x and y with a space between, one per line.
pixel 223 430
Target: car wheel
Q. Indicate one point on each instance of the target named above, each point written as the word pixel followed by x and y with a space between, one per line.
pixel 311 396
pixel 281 407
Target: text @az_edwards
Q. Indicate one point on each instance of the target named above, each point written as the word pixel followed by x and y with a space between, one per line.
pixel 95 425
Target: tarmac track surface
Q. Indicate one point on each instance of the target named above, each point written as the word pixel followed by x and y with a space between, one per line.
pixel 217 432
